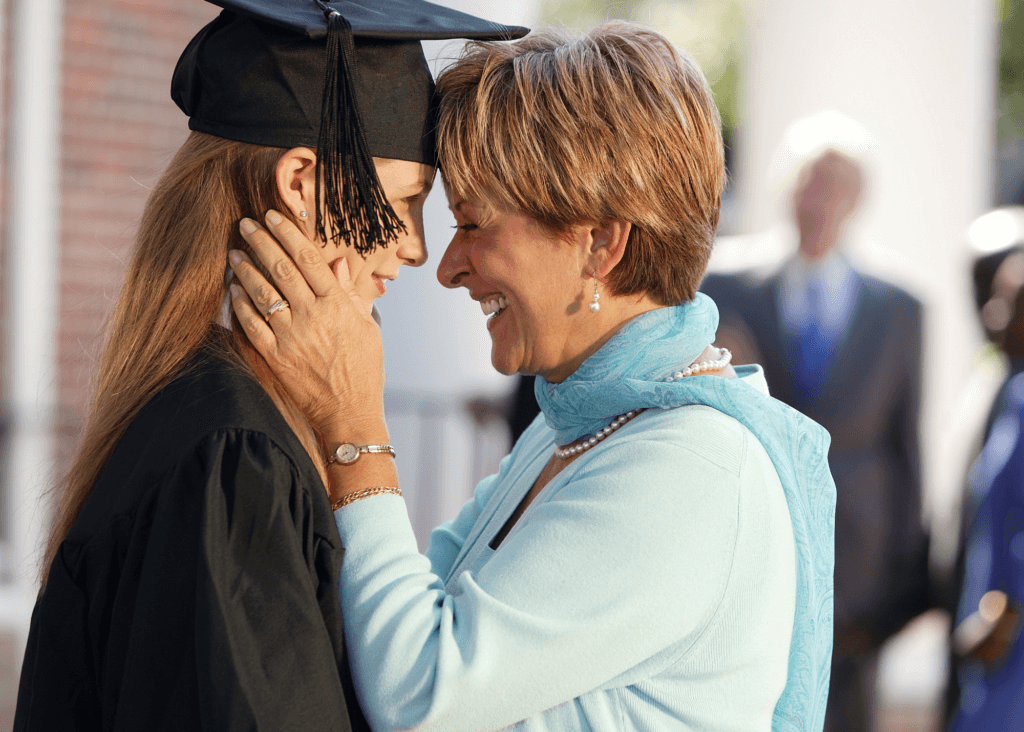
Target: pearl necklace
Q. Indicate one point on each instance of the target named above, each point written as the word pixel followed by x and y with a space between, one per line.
pixel 724 359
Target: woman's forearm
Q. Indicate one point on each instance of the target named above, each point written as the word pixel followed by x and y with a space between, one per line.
pixel 370 469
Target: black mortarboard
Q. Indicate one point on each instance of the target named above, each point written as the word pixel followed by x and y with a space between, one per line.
pixel 346 78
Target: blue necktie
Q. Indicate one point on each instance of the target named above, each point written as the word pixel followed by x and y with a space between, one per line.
pixel 812 355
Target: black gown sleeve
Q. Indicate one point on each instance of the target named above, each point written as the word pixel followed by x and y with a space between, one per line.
pixel 264 658
pixel 198 611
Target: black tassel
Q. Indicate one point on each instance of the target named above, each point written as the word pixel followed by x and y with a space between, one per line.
pixel 357 211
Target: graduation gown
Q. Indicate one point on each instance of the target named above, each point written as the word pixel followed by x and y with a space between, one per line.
pixel 198 587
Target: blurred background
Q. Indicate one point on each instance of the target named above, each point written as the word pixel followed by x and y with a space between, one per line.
pixel 87 126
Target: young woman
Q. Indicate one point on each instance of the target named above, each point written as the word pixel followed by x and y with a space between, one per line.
pixel 191 574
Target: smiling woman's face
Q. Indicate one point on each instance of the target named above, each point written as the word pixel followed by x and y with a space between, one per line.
pixel 532 287
pixel 406 185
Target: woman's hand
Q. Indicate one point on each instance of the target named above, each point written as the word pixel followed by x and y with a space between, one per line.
pixel 325 347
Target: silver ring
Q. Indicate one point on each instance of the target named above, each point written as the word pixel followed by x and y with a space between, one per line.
pixel 276 308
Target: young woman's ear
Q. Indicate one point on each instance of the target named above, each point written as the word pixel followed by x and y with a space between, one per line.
pixel 608 245
pixel 296 184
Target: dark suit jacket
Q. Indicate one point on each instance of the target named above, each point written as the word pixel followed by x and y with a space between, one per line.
pixel 869 403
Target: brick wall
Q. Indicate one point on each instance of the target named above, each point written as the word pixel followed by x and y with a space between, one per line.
pixel 119 130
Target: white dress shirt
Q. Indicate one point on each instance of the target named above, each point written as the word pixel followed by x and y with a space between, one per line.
pixel 837 293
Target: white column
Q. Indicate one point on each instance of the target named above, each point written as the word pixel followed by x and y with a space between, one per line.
pixel 921 75
pixel 31 294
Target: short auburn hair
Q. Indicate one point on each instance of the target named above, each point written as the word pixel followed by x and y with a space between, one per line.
pixel 614 124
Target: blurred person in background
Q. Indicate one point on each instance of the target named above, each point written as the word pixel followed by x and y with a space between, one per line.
pixel 656 552
pixel 989 655
pixel 844 349
pixel 191 575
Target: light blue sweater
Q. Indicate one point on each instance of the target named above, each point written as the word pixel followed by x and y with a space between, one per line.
pixel 620 601
pixel 654 584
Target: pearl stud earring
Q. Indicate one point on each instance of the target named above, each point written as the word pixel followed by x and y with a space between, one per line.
pixel 595 306
pixel 303 214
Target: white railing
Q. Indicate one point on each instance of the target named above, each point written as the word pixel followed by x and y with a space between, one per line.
pixel 443 452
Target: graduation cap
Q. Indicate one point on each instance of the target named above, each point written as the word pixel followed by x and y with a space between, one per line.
pixel 346 78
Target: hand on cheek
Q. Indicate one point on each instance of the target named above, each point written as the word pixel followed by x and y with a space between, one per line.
pixel 340 268
pixel 325 346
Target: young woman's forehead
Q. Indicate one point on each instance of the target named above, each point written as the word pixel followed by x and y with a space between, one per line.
pixel 409 176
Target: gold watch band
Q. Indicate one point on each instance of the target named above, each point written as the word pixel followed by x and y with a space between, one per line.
pixel 347 453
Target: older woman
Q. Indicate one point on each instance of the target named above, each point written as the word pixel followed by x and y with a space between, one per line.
pixel 655 553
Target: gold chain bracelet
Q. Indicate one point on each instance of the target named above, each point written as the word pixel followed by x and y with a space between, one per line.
pixel 364 493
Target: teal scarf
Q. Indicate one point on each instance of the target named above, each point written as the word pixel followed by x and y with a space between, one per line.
pixel 628 372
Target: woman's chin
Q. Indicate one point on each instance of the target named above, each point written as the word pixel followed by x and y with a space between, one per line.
pixel 501 362
pixel 370 293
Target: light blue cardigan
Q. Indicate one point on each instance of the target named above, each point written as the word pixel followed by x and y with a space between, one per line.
pixel 675 576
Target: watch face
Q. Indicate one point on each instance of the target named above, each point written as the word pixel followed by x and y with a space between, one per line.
pixel 347 453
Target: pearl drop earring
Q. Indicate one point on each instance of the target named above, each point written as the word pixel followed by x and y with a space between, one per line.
pixel 595 306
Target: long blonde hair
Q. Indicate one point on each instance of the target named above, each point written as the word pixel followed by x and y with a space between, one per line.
pixel 172 300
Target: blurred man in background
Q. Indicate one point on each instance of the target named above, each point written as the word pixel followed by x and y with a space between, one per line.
pixel 844 349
